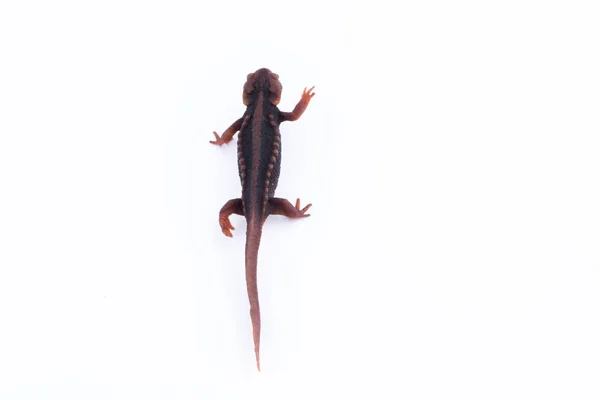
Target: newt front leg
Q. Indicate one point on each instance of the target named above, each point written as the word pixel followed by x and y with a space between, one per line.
pixel 307 95
pixel 228 134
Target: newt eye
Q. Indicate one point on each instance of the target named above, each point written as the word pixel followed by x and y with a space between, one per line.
pixel 250 76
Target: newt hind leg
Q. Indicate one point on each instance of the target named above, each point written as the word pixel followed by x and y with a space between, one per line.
pixel 284 207
pixel 233 206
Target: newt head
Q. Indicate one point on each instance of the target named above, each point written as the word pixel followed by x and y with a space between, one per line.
pixel 263 80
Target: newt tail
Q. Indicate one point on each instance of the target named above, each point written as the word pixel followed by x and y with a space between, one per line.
pixel 253 235
pixel 259 162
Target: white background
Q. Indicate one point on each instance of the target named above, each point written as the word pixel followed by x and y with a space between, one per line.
pixel 451 154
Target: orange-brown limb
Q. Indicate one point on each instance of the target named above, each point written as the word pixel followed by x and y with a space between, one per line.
pixel 284 207
pixel 307 95
pixel 233 206
pixel 228 134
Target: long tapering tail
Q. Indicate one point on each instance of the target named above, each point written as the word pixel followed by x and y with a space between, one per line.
pixel 253 235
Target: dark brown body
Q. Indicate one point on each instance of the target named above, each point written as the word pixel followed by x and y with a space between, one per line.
pixel 259 160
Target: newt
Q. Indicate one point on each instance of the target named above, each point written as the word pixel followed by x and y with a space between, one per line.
pixel 259 162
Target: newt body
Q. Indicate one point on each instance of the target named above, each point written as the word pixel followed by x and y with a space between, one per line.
pixel 259 161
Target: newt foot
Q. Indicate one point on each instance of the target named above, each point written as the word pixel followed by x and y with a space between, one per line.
pixel 307 95
pixel 226 226
pixel 219 140
pixel 304 210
